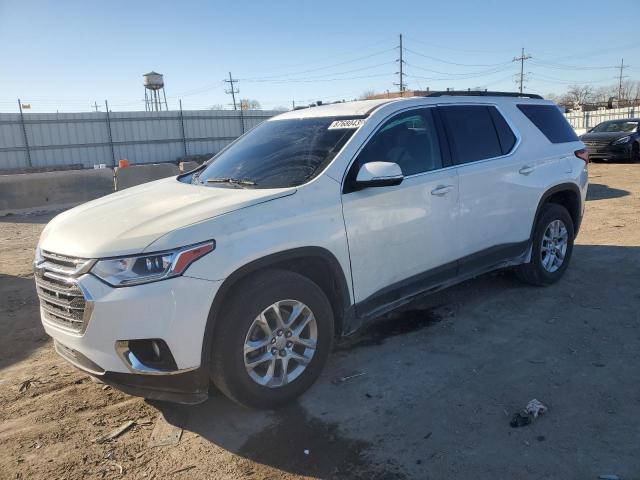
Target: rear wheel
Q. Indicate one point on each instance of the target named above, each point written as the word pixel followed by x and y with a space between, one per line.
pixel 273 339
pixel 552 247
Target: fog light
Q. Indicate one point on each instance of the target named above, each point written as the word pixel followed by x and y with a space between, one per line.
pixel 150 355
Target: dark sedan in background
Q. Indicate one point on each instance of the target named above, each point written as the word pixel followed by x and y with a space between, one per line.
pixel 614 140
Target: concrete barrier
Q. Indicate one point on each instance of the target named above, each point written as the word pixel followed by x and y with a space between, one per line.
pixel 52 190
pixel 137 174
pixel 188 166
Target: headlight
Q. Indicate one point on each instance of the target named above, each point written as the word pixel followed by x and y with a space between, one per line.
pixel 622 140
pixel 151 267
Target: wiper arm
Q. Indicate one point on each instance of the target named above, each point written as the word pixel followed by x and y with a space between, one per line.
pixel 233 181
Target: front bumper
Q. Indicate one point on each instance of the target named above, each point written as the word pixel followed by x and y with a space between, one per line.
pixel 613 153
pixel 174 311
pixel 187 387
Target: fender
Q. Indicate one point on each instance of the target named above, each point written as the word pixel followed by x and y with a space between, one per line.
pixel 286 257
pixel 553 190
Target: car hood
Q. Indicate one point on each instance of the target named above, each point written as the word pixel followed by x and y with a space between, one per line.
pixel 602 136
pixel 128 221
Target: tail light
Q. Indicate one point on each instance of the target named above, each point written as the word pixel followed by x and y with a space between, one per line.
pixel 582 154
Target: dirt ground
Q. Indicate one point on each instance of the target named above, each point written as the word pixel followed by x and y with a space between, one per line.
pixel 439 383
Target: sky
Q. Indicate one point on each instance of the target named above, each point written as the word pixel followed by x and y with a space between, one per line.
pixel 64 55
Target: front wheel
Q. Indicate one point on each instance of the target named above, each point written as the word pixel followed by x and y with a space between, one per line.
pixel 552 247
pixel 273 339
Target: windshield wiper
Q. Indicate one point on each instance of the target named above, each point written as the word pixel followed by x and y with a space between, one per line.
pixel 233 181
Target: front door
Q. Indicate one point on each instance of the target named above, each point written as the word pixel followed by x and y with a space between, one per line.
pixel 402 238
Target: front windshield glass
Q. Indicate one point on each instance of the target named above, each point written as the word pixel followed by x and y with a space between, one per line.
pixel 622 126
pixel 279 153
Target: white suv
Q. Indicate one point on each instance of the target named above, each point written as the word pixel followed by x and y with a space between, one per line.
pixel 242 272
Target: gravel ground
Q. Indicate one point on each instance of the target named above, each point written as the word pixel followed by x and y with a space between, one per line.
pixel 439 385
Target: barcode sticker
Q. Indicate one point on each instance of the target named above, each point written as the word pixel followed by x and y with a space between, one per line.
pixel 354 123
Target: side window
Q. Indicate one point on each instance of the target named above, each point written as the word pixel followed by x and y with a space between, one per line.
pixel 505 134
pixel 409 139
pixel 550 121
pixel 471 132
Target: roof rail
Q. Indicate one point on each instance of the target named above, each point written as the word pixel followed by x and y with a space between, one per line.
pixel 472 93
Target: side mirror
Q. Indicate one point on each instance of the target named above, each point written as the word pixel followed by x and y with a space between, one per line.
pixel 379 174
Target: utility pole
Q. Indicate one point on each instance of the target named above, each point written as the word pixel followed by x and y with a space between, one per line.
pixel 522 59
pixel 293 104
pixel 621 76
pixel 401 83
pixel 232 90
pixel 95 106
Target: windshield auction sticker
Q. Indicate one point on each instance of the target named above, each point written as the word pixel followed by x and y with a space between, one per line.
pixel 353 123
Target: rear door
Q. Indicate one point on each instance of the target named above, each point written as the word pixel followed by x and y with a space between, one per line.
pixel 496 185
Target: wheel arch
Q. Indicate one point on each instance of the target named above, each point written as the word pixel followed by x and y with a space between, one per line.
pixel 567 195
pixel 316 263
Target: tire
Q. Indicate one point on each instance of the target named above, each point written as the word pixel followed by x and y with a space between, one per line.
pixel 238 323
pixel 535 272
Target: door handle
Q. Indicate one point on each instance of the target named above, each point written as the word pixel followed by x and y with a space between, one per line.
pixel 441 190
pixel 526 170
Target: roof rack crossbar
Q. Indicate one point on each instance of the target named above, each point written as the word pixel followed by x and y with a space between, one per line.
pixel 471 93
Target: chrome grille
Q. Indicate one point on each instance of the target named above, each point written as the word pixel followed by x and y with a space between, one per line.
pixel 596 143
pixel 62 300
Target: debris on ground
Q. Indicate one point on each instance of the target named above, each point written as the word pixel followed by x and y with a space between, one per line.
pixel 339 380
pixel 524 417
pixel 164 434
pixel 24 386
pixel 183 469
pixel 609 477
pixel 535 408
pixel 306 451
pixel 115 433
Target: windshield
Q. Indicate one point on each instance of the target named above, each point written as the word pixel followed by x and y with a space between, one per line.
pixel 278 154
pixel 621 126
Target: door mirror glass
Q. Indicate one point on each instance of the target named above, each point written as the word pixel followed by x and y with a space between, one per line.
pixel 379 174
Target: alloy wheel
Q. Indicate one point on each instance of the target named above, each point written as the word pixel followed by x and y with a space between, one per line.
pixel 280 343
pixel 554 246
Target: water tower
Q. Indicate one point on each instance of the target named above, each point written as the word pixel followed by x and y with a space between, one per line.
pixel 153 88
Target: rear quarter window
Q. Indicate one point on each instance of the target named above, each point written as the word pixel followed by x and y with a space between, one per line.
pixel 551 122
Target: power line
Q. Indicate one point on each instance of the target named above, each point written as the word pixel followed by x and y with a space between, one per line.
pixel 522 58
pixel 455 63
pixel 560 66
pixel 311 70
pixel 317 77
pixel 232 90
pixel 477 73
pixel 456 49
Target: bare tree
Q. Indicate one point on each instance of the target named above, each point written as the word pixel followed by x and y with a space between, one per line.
pixel 216 106
pixel 630 90
pixel 250 104
pixel 554 97
pixel 366 95
pixel 579 94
